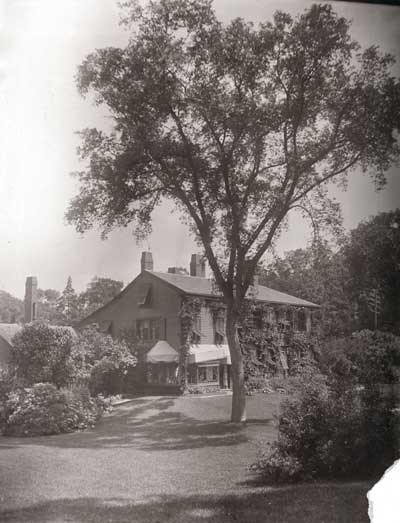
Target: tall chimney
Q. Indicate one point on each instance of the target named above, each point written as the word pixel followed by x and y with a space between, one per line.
pixel 198 266
pixel 30 299
pixel 146 262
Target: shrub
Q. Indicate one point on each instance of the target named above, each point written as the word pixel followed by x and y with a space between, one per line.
pixel 330 432
pixel 42 353
pixel 101 361
pixel 366 357
pixel 44 410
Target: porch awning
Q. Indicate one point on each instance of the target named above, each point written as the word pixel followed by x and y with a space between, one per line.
pixel 162 352
pixel 201 353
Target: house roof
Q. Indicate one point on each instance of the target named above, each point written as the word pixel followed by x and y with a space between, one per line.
pixel 204 287
pixel 198 286
pixel 9 330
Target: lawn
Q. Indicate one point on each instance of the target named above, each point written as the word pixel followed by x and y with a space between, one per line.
pixel 164 460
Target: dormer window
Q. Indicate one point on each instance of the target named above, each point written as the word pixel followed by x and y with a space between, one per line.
pixel 145 295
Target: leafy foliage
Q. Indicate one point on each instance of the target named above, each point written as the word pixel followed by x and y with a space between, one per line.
pixel 42 353
pixel 331 432
pixel 98 292
pixel 271 343
pixel 43 409
pixel 368 358
pixel 320 275
pixel 239 126
pixel 372 255
pixel 189 310
pixel 11 309
pixel 101 362
pixel 344 281
pixel 48 307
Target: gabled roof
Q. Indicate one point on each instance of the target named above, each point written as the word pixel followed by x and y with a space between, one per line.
pixel 204 287
pixel 9 330
pixel 197 286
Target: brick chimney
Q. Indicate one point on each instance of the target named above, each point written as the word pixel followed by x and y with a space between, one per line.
pixel 30 299
pixel 146 261
pixel 198 266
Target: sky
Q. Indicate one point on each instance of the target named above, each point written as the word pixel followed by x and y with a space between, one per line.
pixel 41 44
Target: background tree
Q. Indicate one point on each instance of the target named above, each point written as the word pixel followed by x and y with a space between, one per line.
pixel 48 307
pixel 238 125
pixel 11 308
pixel 98 292
pixel 68 304
pixel 372 255
pixel 318 274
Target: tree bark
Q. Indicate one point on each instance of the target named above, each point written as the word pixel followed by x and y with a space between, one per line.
pixel 238 414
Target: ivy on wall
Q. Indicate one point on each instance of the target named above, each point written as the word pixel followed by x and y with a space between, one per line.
pixel 270 343
pixel 190 309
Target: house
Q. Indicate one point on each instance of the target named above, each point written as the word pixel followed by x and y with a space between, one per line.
pixel 151 306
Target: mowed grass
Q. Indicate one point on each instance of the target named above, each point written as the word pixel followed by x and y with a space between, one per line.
pixel 162 460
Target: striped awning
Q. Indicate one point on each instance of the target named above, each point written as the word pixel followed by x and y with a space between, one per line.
pixel 201 353
pixel 162 352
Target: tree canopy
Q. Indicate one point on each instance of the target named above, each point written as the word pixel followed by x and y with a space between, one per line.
pixel 347 280
pixel 99 291
pixel 239 125
pixel 372 255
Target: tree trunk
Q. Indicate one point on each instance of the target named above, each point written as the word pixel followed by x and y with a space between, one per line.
pixel 238 414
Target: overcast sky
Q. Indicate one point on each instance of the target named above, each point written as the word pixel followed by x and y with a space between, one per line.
pixel 41 44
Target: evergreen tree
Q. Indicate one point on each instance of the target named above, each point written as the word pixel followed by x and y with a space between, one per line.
pixel 68 303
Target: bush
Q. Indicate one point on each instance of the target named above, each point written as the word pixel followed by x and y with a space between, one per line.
pixel 366 357
pixel 102 362
pixel 331 432
pixel 42 354
pixel 44 410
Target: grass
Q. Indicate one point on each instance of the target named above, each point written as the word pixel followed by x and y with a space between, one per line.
pixel 164 460
pixel 330 503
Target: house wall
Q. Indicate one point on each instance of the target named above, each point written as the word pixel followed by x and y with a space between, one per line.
pixel 125 310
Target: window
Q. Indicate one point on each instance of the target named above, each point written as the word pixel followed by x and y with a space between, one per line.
pixel 283 320
pixel 271 316
pixel 301 320
pixel 144 299
pixel 219 323
pixel 208 374
pixel 196 330
pixel 148 329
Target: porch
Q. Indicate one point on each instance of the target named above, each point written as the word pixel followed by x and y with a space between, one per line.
pixel 208 367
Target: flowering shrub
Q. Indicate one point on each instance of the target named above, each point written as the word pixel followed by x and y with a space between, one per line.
pixel 43 410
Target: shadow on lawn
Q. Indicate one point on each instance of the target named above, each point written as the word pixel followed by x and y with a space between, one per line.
pixel 147 426
pixel 329 503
